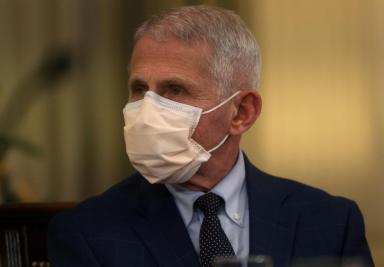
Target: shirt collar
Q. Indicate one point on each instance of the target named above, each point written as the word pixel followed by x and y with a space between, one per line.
pixel 231 188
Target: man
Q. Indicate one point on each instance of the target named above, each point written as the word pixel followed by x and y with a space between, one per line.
pixel 193 77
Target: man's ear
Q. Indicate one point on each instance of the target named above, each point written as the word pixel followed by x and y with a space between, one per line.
pixel 248 104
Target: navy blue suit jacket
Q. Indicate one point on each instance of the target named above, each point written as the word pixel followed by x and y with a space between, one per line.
pixel 138 224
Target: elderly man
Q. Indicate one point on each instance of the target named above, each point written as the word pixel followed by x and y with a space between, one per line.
pixel 194 75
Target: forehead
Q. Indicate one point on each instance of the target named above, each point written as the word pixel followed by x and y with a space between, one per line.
pixel 171 55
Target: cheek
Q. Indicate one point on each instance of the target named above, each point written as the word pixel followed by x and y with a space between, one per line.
pixel 203 133
pixel 211 129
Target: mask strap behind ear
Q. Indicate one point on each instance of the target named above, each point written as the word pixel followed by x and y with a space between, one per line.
pixel 221 104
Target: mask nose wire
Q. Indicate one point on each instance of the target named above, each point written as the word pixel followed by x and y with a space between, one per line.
pixel 221 104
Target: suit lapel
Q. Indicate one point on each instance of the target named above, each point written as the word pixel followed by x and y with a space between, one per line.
pixel 272 226
pixel 162 228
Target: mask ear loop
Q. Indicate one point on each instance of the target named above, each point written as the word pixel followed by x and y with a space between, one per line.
pixel 218 145
pixel 214 108
pixel 222 103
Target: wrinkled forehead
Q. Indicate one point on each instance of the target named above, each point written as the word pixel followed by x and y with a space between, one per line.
pixel 199 51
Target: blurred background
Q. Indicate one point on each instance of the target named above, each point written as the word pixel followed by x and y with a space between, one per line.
pixel 63 86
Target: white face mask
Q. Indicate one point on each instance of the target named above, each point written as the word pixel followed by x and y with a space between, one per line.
pixel 158 138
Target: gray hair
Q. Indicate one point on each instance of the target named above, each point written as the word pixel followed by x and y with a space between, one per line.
pixel 235 61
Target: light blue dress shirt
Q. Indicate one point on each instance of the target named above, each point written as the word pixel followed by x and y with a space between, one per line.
pixel 234 218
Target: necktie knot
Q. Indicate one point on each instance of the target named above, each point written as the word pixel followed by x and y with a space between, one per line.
pixel 209 204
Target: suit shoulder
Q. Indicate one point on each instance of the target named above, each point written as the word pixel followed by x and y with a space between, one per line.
pixel 292 192
pixel 120 198
pixel 313 200
pixel 125 192
pixel 316 207
pixel 300 192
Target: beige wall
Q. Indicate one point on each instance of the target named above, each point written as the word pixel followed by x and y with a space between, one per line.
pixel 322 85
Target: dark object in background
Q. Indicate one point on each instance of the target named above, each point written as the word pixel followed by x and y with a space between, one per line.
pixel 23 233
pixel 54 66
pixel 43 79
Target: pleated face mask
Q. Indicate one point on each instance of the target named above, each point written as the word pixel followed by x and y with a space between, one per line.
pixel 158 138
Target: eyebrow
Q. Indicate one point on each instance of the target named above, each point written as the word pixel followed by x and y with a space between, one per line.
pixel 162 84
pixel 136 82
pixel 176 82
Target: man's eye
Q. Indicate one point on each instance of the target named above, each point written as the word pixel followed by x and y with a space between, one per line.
pixel 176 90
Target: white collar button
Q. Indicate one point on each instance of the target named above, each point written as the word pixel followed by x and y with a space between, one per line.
pixel 236 216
